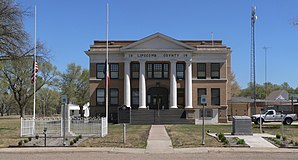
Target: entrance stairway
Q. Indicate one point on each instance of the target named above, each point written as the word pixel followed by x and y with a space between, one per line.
pixel 174 116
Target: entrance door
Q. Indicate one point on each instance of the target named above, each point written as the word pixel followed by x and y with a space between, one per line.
pixel 156 102
pixel 158 98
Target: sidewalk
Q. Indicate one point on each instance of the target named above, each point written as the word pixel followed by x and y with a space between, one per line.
pixel 256 140
pixel 159 140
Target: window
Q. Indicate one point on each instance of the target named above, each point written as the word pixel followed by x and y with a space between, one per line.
pixel 215 70
pixel 180 96
pixel 114 70
pixel 100 67
pixel 201 70
pixel 100 71
pixel 135 70
pixel 114 95
pixel 135 96
pixel 166 70
pixel 100 96
pixel 215 96
pixel 157 70
pixel 270 113
pixel 180 70
pixel 201 91
pixel 208 113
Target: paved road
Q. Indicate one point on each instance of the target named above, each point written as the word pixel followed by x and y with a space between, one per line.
pixel 102 155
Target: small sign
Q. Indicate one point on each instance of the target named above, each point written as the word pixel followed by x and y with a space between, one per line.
pixel 124 114
pixel 203 99
pixel 64 99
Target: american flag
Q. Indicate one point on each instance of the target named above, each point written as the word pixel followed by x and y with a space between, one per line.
pixel 34 72
pixel 107 73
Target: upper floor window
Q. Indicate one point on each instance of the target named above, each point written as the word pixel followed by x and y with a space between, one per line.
pixel 215 96
pixel 215 70
pixel 114 71
pixel 100 67
pixel 158 70
pixel 180 70
pixel 201 70
pixel 135 70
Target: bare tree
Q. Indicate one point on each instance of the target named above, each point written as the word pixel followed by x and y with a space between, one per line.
pixel 12 34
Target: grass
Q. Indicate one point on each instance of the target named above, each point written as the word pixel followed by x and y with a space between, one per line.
pixel 184 136
pixel 188 136
pixel 136 137
pixel 290 131
pixel 9 130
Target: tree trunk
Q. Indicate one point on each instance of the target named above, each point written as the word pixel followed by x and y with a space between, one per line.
pixel 2 109
pixel 22 112
pixel 81 111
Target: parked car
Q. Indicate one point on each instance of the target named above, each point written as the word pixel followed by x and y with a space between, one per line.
pixel 274 116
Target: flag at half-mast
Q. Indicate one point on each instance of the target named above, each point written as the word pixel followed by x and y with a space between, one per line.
pixel 107 73
pixel 34 72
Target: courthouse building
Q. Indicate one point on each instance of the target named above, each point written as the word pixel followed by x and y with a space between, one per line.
pixel 160 73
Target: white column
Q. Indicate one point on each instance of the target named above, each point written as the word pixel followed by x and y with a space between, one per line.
pixel 173 86
pixel 142 86
pixel 127 83
pixel 188 85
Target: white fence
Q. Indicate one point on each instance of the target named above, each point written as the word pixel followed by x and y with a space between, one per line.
pixel 73 127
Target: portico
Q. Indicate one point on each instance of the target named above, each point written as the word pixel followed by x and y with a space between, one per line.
pixel 160 73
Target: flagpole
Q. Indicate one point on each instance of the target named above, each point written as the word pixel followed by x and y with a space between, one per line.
pixel 107 65
pixel 34 71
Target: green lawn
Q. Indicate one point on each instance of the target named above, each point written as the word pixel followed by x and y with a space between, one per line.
pixel 187 136
pixel 9 130
pixel 184 136
pixel 290 131
pixel 136 137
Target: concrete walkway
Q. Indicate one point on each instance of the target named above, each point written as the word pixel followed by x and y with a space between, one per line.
pixel 159 140
pixel 256 140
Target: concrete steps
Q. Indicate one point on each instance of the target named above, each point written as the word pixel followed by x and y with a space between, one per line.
pixel 174 116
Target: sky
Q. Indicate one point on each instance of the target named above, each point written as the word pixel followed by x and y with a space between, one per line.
pixel 69 27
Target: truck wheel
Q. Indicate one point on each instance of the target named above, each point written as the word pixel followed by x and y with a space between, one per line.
pixel 288 121
pixel 258 121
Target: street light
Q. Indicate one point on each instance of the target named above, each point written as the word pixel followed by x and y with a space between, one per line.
pixel 265 59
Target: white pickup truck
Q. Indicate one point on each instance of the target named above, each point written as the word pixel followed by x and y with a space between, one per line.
pixel 274 116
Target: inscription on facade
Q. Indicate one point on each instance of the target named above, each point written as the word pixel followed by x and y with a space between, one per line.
pixel 148 55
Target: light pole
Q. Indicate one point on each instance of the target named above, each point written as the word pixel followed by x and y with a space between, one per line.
pixel 265 59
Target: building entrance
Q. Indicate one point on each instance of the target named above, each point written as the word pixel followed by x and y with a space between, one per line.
pixel 158 98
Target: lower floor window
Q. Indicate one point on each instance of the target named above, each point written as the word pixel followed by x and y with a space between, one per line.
pixel 215 96
pixel 135 96
pixel 180 96
pixel 101 99
pixel 114 95
pixel 100 96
